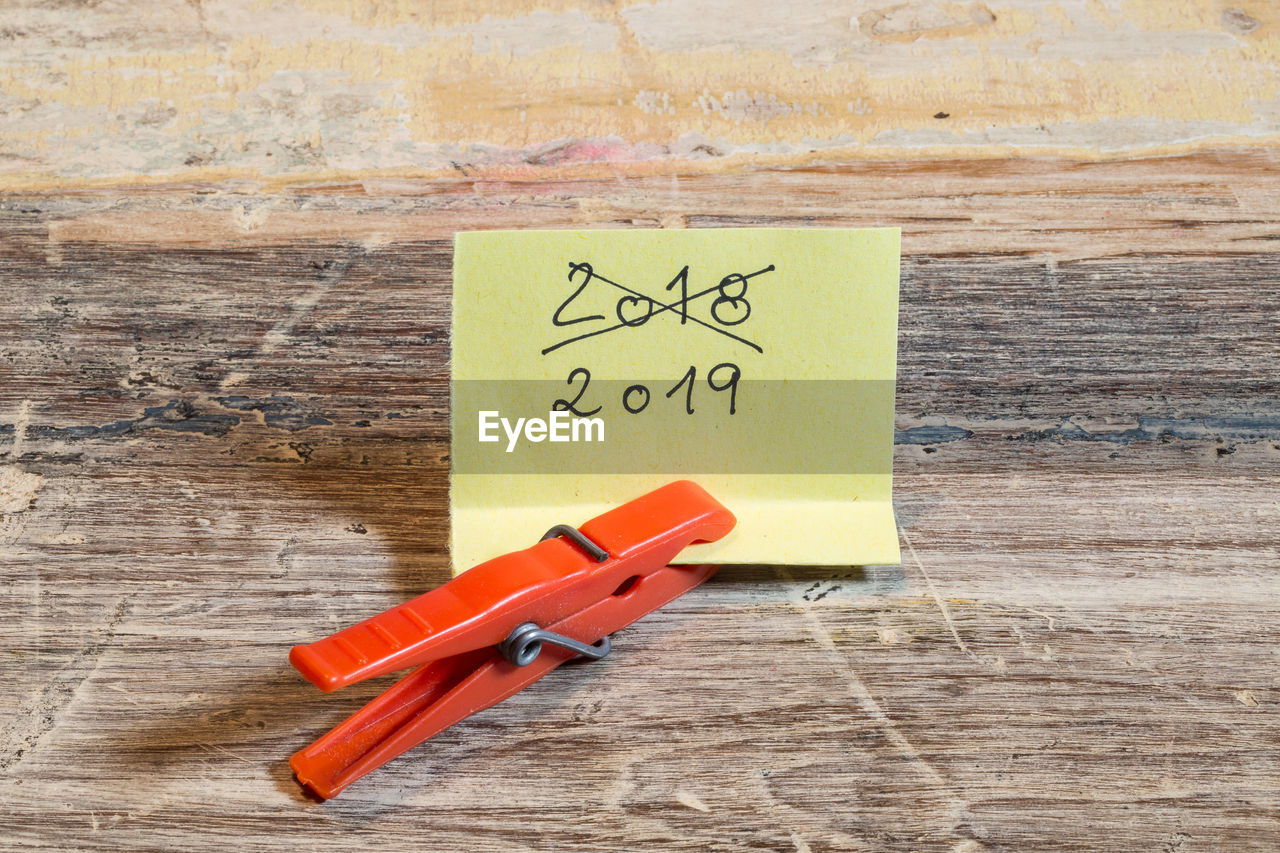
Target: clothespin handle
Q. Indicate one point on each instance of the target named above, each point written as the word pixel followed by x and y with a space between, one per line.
pixel 541 584
pixel 560 588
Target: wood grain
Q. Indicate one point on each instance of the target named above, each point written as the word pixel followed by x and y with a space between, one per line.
pixel 289 93
pixel 224 429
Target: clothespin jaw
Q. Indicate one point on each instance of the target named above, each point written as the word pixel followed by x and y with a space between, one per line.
pixel 495 629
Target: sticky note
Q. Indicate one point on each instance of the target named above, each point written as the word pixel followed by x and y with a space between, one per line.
pixel 590 367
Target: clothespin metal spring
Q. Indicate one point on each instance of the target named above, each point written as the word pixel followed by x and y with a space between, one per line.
pixel 524 644
pixel 568 531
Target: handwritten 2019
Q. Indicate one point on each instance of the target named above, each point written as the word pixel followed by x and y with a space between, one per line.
pixel 729 309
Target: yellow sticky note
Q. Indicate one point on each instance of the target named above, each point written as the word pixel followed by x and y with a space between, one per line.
pixel 590 367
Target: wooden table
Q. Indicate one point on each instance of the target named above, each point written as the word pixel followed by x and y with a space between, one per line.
pixel 225 251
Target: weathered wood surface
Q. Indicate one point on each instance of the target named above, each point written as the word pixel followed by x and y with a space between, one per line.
pixel 224 432
pixel 299 90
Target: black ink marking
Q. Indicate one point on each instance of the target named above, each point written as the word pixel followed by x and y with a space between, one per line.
pixel 688 378
pixel 683 278
pixel 562 405
pixel 555 318
pixel 639 319
pixel 664 307
pixel 626 399
pixel 731 385
pixel 732 301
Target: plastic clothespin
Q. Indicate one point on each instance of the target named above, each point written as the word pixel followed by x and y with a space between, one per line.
pixel 500 626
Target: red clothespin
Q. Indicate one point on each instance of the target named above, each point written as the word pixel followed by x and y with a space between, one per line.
pixel 499 627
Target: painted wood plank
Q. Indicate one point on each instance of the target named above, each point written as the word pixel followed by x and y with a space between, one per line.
pixel 219 440
pixel 306 90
